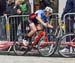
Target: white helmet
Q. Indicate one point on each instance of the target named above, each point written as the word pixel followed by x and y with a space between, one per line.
pixel 49 9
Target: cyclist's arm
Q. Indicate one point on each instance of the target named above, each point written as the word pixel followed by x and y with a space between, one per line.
pixel 49 26
pixel 42 22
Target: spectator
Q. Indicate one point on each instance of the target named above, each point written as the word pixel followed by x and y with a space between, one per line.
pixel 69 8
pixel 54 4
pixel 2 21
pixel 45 3
pixel 26 7
pixel 2 7
pixel 9 7
pixel 13 8
pixel 26 10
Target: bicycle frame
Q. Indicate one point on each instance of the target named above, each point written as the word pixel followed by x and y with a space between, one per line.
pixel 38 37
pixel 46 41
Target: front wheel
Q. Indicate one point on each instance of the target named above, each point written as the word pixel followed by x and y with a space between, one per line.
pixel 47 48
pixel 66 48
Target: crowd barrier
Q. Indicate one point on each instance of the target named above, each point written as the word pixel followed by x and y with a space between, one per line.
pixel 15 24
pixel 3 35
pixel 69 21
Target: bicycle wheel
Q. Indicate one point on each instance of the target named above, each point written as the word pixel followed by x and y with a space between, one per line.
pixel 18 47
pixel 65 46
pixel 47 48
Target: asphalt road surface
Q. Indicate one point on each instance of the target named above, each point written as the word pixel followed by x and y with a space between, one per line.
pixel 33 58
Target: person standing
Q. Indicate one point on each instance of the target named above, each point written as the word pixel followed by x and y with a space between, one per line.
pixel 2 7
pixel 2 20
pixel 26 10
pixel 45 3
pixel 13 8
pixel 69 8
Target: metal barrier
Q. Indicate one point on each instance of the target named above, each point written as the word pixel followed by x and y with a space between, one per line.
pixel 69 21
pixel 15 24
pixel 55 20
pixel 3 35
pixel 57 23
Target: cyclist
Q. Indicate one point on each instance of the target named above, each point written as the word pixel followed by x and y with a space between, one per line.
pixel 40 16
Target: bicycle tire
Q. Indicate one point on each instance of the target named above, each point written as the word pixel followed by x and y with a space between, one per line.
pixel 17 47
pixel 52 48
pixel 61 46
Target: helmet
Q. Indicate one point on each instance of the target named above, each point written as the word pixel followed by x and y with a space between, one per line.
pixel 48 9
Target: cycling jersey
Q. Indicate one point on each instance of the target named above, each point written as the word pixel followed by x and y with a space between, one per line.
pixel 39 13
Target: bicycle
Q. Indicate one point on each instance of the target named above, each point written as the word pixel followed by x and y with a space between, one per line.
pixel 40 42
pixel 52 44
pixel 67 41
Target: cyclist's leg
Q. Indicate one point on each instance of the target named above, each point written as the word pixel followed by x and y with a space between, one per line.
pixel 39 27
pixel 33 30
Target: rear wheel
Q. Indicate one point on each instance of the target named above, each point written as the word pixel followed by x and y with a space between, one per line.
pixel 19 47
pixel 66 47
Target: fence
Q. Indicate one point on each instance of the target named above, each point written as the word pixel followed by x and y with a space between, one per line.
pixel 15 24
pixel 3 35
pixel 69 20
pixel 55 20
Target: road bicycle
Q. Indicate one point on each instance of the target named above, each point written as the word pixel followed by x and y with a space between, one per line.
pixel 44 42
pixel 67 41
